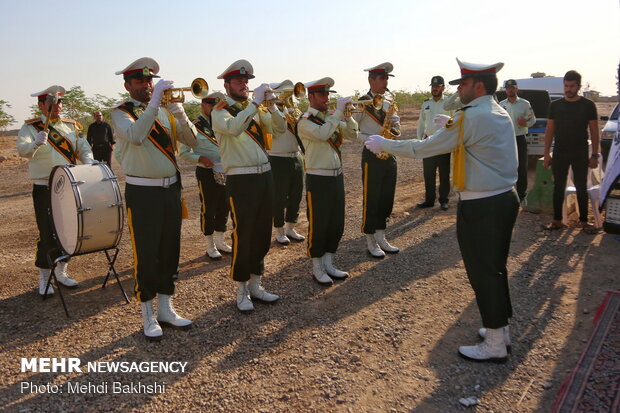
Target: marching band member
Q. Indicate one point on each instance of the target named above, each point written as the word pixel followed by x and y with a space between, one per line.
pixel 147 134
pixel 485 171
pixel 378 175
pixel 243 128
pixel 288 174
pixel 322 135
pixel 211 179
pixel 44 149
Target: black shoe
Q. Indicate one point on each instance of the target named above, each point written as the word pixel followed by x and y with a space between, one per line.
pixel 425 204
pixel 443 206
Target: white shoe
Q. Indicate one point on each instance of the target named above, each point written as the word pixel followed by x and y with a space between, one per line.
pixel 258 292
pixel 373 248
pixel 492 349
pixel 244 303
pixel 152 330
pixel 167 316
pixel 281 236
pixel 483 334
pixel 212 251
pixel 292 234
pixel 318 270
pixel 62 277
pixel 220 243
pixel 385 246
pixel 330 269
pixel 44 274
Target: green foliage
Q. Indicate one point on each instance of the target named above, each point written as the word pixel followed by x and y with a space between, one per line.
pixel 192 109
pixel 406 99
pixel 5 118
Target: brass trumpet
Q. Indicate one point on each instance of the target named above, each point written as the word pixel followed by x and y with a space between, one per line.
pixel 357 105
pixel 283 96
pixel 199 89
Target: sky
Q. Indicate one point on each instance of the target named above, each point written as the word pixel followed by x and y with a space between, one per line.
pixel 71 42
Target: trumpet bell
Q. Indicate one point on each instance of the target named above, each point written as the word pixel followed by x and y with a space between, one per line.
pixel 200 88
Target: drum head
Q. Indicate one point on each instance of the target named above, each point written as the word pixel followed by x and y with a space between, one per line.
pixel 63 205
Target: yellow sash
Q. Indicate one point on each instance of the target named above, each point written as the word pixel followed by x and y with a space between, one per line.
pixel 458 155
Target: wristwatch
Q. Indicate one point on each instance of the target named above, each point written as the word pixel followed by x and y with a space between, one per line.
pixel 596 155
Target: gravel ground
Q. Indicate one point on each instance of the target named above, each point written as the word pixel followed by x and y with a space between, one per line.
pixel 383 340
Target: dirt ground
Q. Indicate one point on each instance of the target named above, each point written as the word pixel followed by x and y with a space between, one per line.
pixel 384 340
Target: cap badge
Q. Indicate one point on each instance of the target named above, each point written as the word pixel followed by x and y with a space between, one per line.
pixel 242 71
pixel 146 71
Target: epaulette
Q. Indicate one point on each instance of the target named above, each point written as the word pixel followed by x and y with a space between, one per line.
pixel 263 109
pixel 426 100
pixel 196 121
pixel 31 121
pixel 221 105
pixel 68 120
pixel 464 108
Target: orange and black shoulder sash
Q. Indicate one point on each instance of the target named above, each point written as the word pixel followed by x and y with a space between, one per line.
pixel 335 141
pixel 58 141
pixel 158 134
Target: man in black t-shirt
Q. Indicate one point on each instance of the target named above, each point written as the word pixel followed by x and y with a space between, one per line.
pixel 569 121
pixel 101 139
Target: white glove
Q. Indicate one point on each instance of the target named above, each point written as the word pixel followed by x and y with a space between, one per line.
pixel 395 119
pixel 259 94
pixel 441 120
pixel 269 95
pixel 41 139
pixel 341 104
pixel 374 142
pixel 158 92
pixel 178 112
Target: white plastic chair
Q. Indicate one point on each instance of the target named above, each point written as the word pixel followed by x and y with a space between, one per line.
pixel 594 180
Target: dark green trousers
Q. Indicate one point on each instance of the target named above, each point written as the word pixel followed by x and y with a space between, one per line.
pixel 288 186
pixel 154 219
pixel 379 183
pixel 325 209
pixel 484 229
pixel 250 198
pixel 213 202
pixel 47 240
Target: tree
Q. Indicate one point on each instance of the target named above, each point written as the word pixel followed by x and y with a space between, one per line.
pixel 5 118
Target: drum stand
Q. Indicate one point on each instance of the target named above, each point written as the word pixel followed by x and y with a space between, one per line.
pixel 111 257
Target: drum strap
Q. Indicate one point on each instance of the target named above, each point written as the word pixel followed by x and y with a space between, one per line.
pixel 59 142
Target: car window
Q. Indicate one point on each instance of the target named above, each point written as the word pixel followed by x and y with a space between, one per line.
pixel 614 114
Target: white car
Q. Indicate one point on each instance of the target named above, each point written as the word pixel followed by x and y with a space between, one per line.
pixel 609 131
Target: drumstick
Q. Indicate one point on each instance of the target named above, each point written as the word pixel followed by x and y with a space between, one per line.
pixel 52 99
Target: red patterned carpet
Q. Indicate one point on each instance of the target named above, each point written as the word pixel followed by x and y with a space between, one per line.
pixel 594 384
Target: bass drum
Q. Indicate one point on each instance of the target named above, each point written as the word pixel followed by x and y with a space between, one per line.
pixel 86 208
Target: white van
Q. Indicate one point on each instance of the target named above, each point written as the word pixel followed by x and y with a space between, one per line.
pixel 552 84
